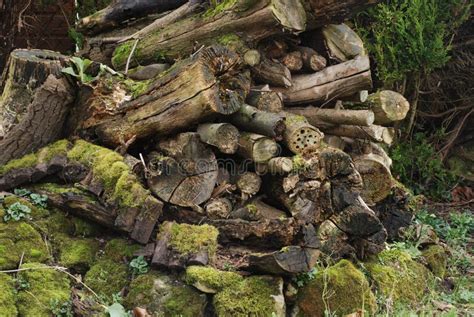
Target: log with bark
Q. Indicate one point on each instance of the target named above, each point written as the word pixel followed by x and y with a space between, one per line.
pixel 224 136
pixel 312 61
pixel 250 119
pixel 256 147
pixel 263 98
pixel 335 116
pixel 342 42
pixel 373 133
pixel 300 134
pixel 388 106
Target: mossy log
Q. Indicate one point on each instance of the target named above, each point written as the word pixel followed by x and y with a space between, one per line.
pixel 34 102
pixel 192 91
pixel 190 178
pixel 102 173
pixel 121 10
pixel 254 19
pixel 251 119
pixel 335 116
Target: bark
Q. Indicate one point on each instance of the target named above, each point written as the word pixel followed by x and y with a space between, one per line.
pixel 251 119
pixel 300 134
pixel 189 179
pixel 335 116
pixel 342 42
pixel 224 136
pixel 120 10
pixel 273 73
pixel 336 81
pixel 257 147
pixel 265 211
pixel 264 99
pixel 192 91
pixel 256 20
pixel 373 133
pixel 388 106
pixel 333 11
pixel 312 61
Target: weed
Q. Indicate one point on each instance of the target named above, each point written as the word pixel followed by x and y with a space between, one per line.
pixel 304 278
pixel 61 309
pixel 16 212
pixel 138 265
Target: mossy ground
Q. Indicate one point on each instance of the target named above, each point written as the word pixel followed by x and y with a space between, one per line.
pixel 78 254
pixel 107 277
pixel 436 259
pixel 7 296
pixel 120 249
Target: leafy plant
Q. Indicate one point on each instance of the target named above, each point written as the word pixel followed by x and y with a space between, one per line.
pixel 79 69
pixel 16 211
pixel 22 192
pixel 304 278
pixel 61 309
pixel 77 37
pixel 39 200
pixel 138 265
pixel 117 310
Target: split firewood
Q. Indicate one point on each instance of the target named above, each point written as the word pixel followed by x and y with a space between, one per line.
pixel 251 119
pixel 293 61
pixel 257 147
pixel 190 176
pixel 300 134
pixel 248 184
pixel 215 86
pixel 312 61
pixel 35 101
pixel 224 136
pixel 335 116
pixel 388 106
pixel 373 133
pixel 101 172
pixel 263 98
pixel 273 73
pixel 339 81
pixel 342 42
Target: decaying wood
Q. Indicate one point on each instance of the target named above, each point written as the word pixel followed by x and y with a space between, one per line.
pixel 265 99
pixel 273 73
pixel 388 106
pixel 342 42
pixel 373 133
pixel 300 134
pixel 257 147
pixel 219 208
pixel 251 119
pixel 252 57
pixel 248 184
pixel 293 61
pixel 312 61
pixel 190 176
pixel 224 136
pixel 210 78
pixel 335 116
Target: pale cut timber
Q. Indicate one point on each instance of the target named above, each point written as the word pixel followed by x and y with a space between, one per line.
pixel 251 119
pixel 373 133
pixel 342 42
pixel 335 116
pixel 256 19
pixel 376 177
pixel 257 147
pixel 300 134
pixel 224 136
pixel 249 184
pixel 388 106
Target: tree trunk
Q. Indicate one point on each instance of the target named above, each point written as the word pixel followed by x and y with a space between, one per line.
pixel 251 119
pixel 335 116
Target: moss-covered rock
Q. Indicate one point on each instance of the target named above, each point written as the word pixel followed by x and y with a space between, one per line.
pixel 164 296
pixel 7 296
pixel 340 289
pixel 398 277
pixel 45 286
pixel 107 277
pixel 57 223
pixel 17 238
pixel 118 249
pixel 253 296
pixel 78 254
pixel 192 239
pixel 437 260
pixel 210 280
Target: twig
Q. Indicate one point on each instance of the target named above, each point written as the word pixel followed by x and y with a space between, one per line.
pixel 130 56
pixel 442 114
pixel 20 16
pixel 445 149
pixel 454 204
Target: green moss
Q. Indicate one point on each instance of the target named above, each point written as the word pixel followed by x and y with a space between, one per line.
pixel 340 289
pixel 107 277
pixel 436 259
pixel 17 239
pixel 184 301
pixel 78 253
pixel 24 162
pixel 122 52
pixel 251 297
pixel 211 278
pixel 45 285
pixel 140 293
pixel 217 7
pixel 191 239
pixel 135 87
pixel 118 249
pixel 36 212
pixel 56 223
pixel 399 277
pixel 84 228
pixel 7 296
pixel 299 163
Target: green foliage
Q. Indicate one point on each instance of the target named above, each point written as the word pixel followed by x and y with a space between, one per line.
pixel 79 68
pixel 139 265
pixel 304 278
pixel 61 309
pixel 116 310
pixel 17 211
pixel 36 199
pixel 22 283
pixel 22 192
pixel 410 36
pixel 418 166
pixel 77 37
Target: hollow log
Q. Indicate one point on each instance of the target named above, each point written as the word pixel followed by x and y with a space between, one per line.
pixel 120 10
pixel 256 20
pixel 192 91
pixel 251 119
pixel 265 99
pixel 342 42
pixel 335 116
pixel 273 73
pixel 257 147
pixel 373 133
pixel 300 134
pixel 224 136
pixel 312 61
pixel 35 101
pixel 388 106
pixel 293 61
pixel 190 178
pixel 340 80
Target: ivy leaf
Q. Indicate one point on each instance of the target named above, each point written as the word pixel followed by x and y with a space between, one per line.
pixel 116 310
pixel 69 71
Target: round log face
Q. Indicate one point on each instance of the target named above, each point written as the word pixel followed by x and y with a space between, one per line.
pixel 376 177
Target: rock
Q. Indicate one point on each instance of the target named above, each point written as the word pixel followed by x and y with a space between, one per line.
pixel 210 280
pixel 437 260
pixel 7 296
pixel 44 288
pixel 341 289
pixel 162 295
pixel 107 277
pixel 398 277
pixel 78 254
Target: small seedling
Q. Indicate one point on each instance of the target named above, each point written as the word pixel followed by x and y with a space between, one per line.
pixel 139 265
pixel 79 69
pixel 16 212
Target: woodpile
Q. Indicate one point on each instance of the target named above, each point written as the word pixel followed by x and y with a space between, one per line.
pixel 252 118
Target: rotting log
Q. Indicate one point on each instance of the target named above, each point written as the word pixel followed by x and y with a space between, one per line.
pixel 101 172
pixel 280 165
pixel 224 136
pixel 190 179
pixel 293 61
pixel 35 101
pixel 248 184
pixel 312 61
pixel 190 92
pixel 271 72
pixel 335 116
pixel 250 119
pixel 257 147
pixel 256 20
